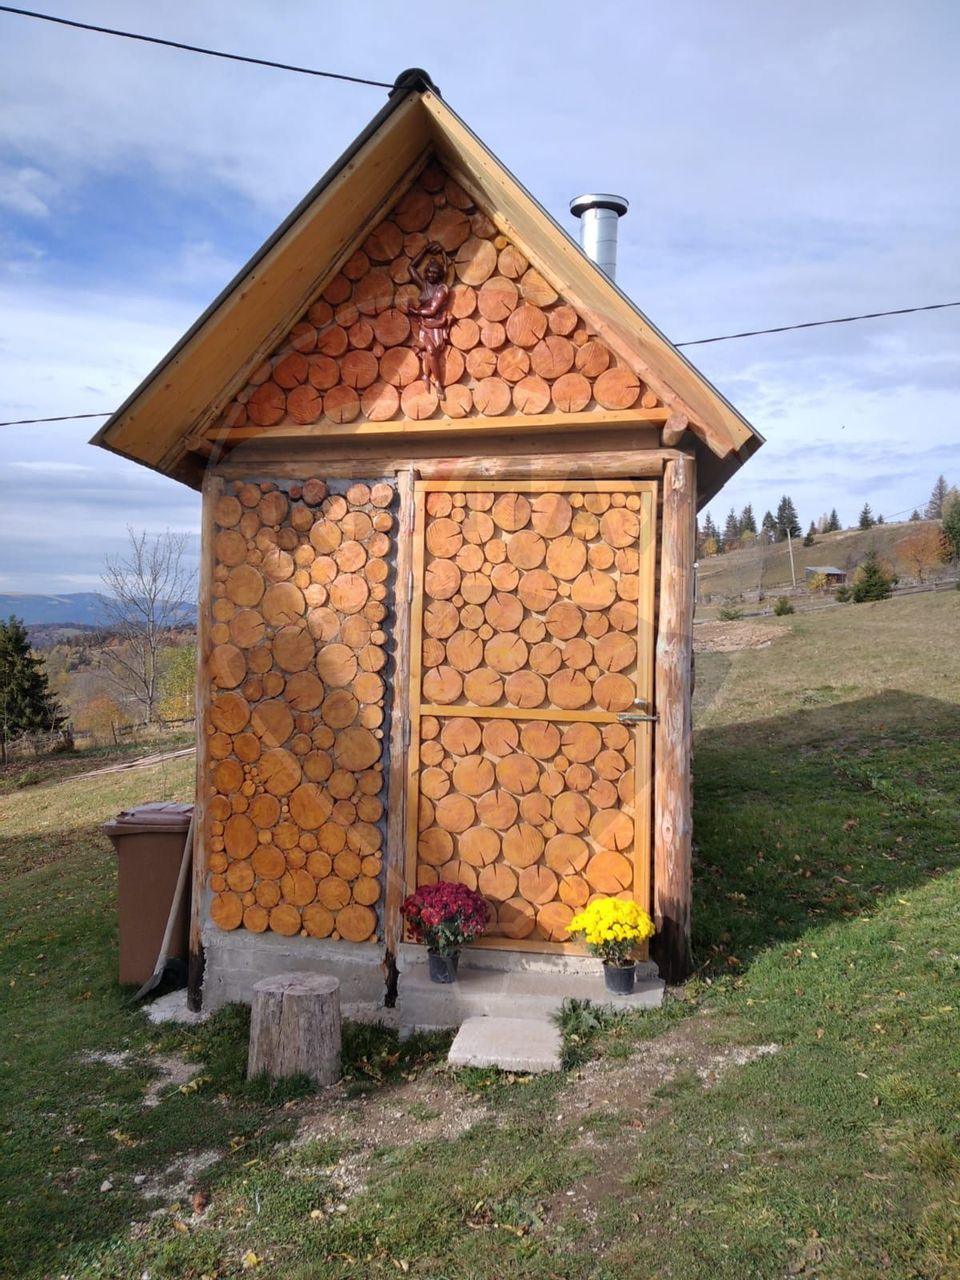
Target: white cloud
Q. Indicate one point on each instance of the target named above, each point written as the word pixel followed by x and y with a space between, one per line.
pixel 63 352
pixel 53 468
pixel 26 190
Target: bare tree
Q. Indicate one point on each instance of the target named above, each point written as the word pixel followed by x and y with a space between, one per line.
pixel 148 593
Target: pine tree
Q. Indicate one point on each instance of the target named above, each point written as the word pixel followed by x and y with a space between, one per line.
pixel 915 516
pixel 880 519
pixel 769 526
pixel 811 537
pixel 935 505
pixel 833 524
pixel 787 521
pixel 731 531
pixel 748 523
pixel 873 580
pixel 709 537
pixel 26 703
pixel 951 524
pixel 866 517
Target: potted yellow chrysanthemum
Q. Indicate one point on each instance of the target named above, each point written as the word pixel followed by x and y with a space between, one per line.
pixel 612 930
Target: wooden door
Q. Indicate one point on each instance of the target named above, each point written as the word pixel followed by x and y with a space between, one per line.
pixel 531 667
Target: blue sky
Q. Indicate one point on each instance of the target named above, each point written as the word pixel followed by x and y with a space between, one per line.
pixel 784 162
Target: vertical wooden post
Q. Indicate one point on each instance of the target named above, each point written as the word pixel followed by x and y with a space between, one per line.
pixel 673 801
pixel 399 728
pixel 212 488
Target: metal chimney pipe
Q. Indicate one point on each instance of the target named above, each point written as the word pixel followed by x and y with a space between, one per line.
pixel 598 214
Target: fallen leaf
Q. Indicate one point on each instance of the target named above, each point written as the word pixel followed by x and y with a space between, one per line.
pixel 250 1260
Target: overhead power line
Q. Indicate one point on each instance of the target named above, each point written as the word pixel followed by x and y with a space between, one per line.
pixel 65 417
pixel 728 337
pixel 816 324
pixel 192 48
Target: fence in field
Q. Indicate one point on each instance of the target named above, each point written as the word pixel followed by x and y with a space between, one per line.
pixel 30 746
pixel 804 602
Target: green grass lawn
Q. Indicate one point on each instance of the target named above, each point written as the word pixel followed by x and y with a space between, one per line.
pixel 826 924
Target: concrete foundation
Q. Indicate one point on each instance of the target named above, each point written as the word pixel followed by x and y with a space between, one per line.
pixel 235 961
pixel 492 982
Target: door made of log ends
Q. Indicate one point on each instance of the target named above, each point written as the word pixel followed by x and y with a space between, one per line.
pixel 531 670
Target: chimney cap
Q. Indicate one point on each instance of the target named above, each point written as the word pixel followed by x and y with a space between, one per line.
pixel 599 200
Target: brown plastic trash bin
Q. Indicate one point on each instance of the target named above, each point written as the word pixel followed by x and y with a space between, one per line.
pixel 149 842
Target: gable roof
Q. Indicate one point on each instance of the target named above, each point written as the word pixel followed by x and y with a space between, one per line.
pixel 160 424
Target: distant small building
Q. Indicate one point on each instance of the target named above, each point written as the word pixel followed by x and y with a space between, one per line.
pixel 835 577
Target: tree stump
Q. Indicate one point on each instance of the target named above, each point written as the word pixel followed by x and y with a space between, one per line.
pixel 295 1027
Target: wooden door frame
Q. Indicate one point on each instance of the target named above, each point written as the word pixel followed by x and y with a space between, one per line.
pixel 642 854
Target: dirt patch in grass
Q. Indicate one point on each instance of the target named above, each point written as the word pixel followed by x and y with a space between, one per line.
pixel 428 1108
pixel 179 1179
pixel 608 1106
pixel 727 637
pixel 170 1069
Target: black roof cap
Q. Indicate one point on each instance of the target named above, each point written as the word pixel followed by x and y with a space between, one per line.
pixel 414 79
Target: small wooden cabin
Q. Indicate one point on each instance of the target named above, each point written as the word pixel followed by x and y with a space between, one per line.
pixel 447 570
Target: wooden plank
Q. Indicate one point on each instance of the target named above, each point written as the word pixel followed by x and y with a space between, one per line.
pixel 405 427
pixel 526 485
pixel 399 722
pixel 213 487
pixel 416 671
pixel 547 466
pixel 646 609
pixel 516 713
pixel 673 818
pixel 584 462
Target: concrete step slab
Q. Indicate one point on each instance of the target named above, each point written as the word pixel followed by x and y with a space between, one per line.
pixel 502 993
pixel 528 1045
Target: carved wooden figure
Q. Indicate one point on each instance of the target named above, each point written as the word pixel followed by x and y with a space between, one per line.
pixel 434 328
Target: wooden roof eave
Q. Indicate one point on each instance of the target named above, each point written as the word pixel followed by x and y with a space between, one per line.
pixel 256 308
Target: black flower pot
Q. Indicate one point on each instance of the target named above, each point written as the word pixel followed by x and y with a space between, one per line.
pixel 620 978
pixel 442 968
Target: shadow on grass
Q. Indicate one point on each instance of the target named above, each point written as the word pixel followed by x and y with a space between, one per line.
pixel 817 816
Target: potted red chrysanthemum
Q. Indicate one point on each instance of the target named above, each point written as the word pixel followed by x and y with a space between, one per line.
pixel 443 917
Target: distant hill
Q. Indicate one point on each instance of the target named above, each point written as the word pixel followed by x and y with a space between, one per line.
pixel 767 568
pixel 80 608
